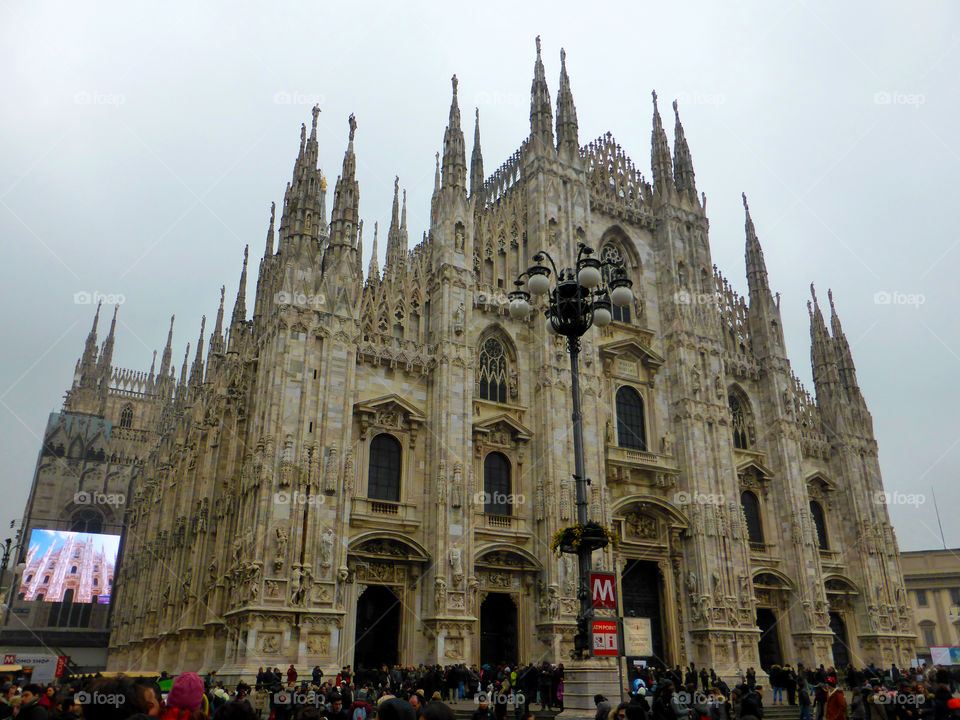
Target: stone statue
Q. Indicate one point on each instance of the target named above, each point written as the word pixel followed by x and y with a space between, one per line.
pixel 442 483
pixel 514 384
pixel 458 317
pixel 331 470
pixel 281 554
pixel 456 565
pixel 440 594
pixel 326 548
pixel 348 473
pixel 456 498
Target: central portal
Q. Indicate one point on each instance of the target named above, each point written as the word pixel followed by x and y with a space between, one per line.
pixel 498 630
pixel 378 629
pixel 642 599
pixel 769 644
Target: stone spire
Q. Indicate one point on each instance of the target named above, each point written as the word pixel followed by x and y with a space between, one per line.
pixel 660 154
pixel 476 160
pixel 359 259
pixel 454 152
pixel 373 272
pixel 822 357
pixel 396 235
pixel 183 368
pixel 270 231
pixel 216 337
pixel 435 198
pixel 541 116
pixel 196 370
pixel 153 367
pixel 756 267
pixel 304 202
pixel 87 366
pixel 682 161
pixel 240 305
pixel 167 357
pixel 106 353
pixel 566 112
pixel 346 197
pixel 845 366
pixel 239 316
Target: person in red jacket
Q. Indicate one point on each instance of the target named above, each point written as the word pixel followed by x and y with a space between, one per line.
pixel 291 675
pixel 836 707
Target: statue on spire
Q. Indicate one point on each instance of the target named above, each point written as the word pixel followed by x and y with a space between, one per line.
pixel 316 116
pixel 352 121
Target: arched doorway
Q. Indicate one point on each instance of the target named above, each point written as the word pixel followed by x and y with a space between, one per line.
pixel 642 599
pixel 378 628
pixel 841 649
pixel 769 643
pixel 498 630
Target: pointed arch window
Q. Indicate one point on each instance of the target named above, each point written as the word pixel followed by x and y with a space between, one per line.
pixel 631 430
pixel 126 417
pixel 492 371
pixel 741 420
pixel 383 479
pixel 751 511
pixel 820 523
pixel 86 521
pixel 496 485
pixel 611 253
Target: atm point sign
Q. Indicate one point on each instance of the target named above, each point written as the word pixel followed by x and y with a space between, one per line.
pixel 603 589
pixel 605 637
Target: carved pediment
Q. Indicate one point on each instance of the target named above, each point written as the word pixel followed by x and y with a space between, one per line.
pixel 630 350
pixel 507 558
pixel 821 483
pixel 389 411
pixel 752 470
pixel 501 430
pixel 388 547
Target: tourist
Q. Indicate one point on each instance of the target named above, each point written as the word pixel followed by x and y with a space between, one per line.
pixel 776 684
pixel 127 699
pixel 751 706
pixel 291 675
pixel 483 709
pixel 30 707
pixel 835 707
pixel 437 710
pixel 803 697
pixel 603 707
pixel 186 698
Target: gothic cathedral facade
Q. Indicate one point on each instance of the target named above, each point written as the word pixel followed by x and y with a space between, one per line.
pixel 369 467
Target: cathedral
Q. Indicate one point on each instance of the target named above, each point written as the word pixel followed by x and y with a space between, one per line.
pixel 368 467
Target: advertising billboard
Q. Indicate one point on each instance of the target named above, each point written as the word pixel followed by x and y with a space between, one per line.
pixel 64 566
pixel 945 655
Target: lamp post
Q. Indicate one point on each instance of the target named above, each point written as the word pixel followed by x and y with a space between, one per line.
pixel 578 298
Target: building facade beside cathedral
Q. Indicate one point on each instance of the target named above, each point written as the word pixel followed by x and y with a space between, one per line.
pixel 369 467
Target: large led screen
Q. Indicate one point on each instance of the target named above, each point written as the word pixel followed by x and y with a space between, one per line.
pixel 69 567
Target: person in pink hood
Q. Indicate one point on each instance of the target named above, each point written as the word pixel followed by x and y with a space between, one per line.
pixel 185 701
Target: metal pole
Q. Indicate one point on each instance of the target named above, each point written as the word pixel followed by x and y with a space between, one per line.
pixel 583 552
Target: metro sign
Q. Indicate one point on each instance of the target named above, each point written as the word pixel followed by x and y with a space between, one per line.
pixel 603 589
pixel 605 638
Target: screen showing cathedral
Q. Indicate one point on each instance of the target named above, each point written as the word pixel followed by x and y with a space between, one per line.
pixel 69 567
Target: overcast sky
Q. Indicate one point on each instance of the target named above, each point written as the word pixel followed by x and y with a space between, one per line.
pixel 143 143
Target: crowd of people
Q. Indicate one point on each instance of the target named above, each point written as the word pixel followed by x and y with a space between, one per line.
pixel 492 693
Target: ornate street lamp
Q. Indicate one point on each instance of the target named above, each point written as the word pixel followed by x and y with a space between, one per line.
pixel 579 297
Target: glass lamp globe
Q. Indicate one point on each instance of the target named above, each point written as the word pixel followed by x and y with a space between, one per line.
pixel 539 284
pixel 519 309
pixel 601 317
pixel 589 276
pixel 621 296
